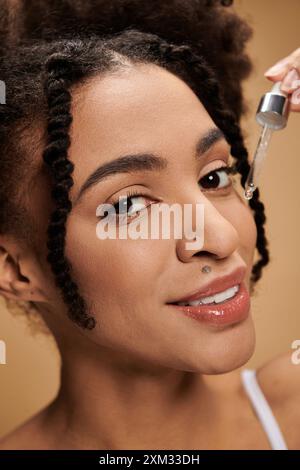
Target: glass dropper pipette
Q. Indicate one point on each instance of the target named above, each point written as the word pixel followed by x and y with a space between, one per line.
pixel 272 113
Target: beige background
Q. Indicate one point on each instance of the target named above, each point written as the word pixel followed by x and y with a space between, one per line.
pixel 29 380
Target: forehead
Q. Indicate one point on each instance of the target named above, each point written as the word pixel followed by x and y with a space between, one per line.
pixel 143 107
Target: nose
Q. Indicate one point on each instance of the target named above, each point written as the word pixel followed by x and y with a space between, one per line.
pixel 218 237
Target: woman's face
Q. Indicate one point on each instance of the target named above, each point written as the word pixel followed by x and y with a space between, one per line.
pixel 128 282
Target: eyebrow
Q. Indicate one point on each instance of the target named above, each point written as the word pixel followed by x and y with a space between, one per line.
pixel 133 163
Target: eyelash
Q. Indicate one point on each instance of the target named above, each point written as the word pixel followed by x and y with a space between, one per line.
pixel 228 169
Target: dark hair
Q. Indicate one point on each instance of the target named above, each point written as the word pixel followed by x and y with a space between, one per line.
pixel 214 30
pixel 40 77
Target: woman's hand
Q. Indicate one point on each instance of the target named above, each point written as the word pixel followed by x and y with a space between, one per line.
pixel 288 70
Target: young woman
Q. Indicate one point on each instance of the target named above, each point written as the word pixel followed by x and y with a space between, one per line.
pixel 88 120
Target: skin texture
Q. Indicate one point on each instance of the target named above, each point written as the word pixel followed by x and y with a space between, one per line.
pixel 145 377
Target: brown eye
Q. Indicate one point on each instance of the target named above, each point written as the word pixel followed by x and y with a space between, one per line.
pixel 216 179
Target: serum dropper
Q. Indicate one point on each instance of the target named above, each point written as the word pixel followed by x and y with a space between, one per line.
pixel 272 114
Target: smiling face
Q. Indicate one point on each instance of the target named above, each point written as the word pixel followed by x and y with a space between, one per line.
pixel 146 109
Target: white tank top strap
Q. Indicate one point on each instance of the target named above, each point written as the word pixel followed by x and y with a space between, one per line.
pixel 263 409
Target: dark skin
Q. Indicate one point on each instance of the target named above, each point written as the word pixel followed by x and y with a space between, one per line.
pixel 117 390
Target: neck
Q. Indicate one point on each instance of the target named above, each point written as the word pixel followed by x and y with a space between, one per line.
pixel 109 400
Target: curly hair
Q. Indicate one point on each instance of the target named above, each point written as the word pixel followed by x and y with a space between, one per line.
pixel 54 67
pixel 214 30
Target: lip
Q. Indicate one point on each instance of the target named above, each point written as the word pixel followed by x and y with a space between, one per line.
pixel 229 312
pixel 217 285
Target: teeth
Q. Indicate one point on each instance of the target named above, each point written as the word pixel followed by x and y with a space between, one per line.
pixel 217 298
pixel 227 294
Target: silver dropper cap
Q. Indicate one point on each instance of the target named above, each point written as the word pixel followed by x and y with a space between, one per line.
pixel 273 109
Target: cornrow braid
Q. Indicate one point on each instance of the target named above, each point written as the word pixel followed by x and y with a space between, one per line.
pixel 226 121
pixel 55 156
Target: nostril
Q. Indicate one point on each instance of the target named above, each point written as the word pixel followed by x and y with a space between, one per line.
pixel 203 253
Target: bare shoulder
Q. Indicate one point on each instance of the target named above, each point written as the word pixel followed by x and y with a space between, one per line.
pixel 29 435
pixel 279 379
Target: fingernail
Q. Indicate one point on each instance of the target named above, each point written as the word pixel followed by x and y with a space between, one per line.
pixel 277 68
pixel 291 81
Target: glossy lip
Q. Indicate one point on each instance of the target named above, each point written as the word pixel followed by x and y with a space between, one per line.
pixel 217 285
pixel 226 313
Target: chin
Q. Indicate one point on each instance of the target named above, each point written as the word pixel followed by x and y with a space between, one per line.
pixel 225 350
pixel 235 349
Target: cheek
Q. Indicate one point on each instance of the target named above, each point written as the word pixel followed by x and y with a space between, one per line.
pixel 247 229
pixel 241 217
pixel 114 272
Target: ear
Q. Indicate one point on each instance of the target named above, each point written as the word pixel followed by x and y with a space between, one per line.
pixel 19 273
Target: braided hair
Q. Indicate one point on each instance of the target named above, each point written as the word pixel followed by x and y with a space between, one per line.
pixel 54 68
pixel 55 156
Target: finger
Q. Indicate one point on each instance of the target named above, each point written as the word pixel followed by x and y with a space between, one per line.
pixel 279 70
pixel 295 100
pixel 291 81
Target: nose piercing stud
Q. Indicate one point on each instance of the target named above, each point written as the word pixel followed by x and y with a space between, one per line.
pixel 206 269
